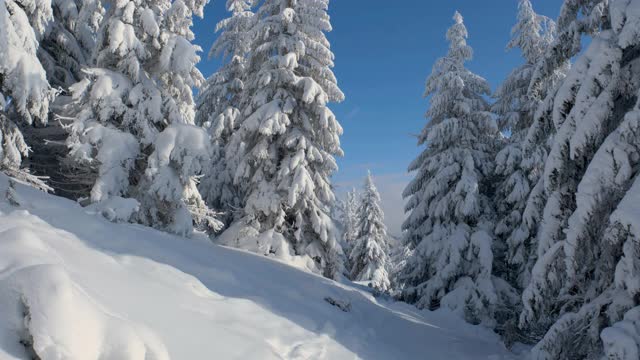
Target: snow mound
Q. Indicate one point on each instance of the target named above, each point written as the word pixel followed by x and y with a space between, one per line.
pixel 269 243
pixel 116 208
pixel 47 315
pixel 77 286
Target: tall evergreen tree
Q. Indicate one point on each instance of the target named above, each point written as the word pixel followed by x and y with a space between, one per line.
pixel 135 113
pixel 219 107
pixel 350 220
pixel 450 221
pixel 25 93
pixel 584 291
pixel 286 144
pixel 369 257
pixel 516 107
pixel 65 49
pixel 577 19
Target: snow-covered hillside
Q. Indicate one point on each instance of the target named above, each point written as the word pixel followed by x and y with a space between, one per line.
pixel 75 286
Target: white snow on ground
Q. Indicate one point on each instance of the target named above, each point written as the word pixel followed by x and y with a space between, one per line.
pixel 75 286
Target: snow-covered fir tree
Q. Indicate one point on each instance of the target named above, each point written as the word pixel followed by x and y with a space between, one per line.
pixel 135 114
pixel 288 138
pixel 577 19
pixel 350 220
pixel 65 49
pixel 369 257
pixel 516 107
pixel 450 221
pixel 25 93
pixel 583 290
pixel 219 107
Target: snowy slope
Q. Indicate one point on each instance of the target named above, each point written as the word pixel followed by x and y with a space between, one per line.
pixel 75 286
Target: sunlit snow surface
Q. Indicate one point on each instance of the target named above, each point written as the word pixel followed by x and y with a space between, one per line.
pixel 75 286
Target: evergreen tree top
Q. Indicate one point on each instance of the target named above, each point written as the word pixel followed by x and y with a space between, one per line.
pixel 456 92
pixel 457 36
pixel 532 33
pixel 370 186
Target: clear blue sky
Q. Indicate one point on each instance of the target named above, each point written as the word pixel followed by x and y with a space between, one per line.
pixel 384 52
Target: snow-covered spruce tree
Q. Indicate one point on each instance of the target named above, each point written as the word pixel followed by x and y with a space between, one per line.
pixel 286 144
pixel 25 93
pixel 65 48
pixel 584 287
pixel 350 220
pixel 515 108
pixel 135 114
pixel 450 221
pixel 369 257
pixel 577 19
pixel 218 108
